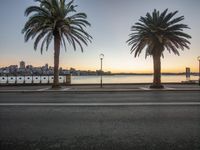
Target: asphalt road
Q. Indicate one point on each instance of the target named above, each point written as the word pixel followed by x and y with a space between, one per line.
pixel 118 120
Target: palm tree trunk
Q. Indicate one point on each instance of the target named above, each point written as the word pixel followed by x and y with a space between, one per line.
pixel 57 40
pixel 157 72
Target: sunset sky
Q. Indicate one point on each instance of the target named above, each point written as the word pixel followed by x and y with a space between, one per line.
pixel 111 21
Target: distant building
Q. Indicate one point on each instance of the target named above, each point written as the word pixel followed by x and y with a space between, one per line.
pixel 29 67
pixel 29 70
pixel 51 70
pixel 65 72
pixel 1 70
pixel 13 69
pixel 46 66
pixel 187 73
pixel 22 65
pixel 73 71
pixel 6 70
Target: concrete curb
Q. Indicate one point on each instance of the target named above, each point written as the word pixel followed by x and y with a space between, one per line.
pixel 99 91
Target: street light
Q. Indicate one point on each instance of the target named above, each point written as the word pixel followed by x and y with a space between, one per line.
pixel 101 56
pixel 198 58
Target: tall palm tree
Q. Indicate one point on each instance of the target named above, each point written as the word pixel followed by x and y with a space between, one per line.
pixel 155 33
pixel 56 20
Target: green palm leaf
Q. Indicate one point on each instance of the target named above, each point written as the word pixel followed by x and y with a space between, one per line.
pixel 156 33
pixel 58 20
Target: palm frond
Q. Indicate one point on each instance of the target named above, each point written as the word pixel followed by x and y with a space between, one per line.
pixel 56 17
pixel 157 32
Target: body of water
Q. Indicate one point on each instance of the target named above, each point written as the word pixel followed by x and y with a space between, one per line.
pixel 128 79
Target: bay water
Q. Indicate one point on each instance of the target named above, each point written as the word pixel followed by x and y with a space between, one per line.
pixel 128 79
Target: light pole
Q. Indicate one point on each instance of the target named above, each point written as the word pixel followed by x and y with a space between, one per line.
pixel 101 56
pixel 198 58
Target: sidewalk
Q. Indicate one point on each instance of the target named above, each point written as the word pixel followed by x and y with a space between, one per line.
pixel 97 88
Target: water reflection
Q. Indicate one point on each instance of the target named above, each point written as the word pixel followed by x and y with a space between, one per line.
pixel 128 79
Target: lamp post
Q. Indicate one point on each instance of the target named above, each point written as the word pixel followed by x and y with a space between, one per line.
pixel 101 56
pixel 198 58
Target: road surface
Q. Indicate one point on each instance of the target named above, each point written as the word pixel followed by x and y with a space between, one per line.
pixel 150 120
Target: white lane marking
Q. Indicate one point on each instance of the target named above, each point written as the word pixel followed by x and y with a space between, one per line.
pixel 169 88
pixel 143 88
pixel 44 89
pixel 65 89
pixel 104 104
pixel 166 88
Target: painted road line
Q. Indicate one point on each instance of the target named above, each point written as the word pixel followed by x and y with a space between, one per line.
pixel 105 104
pixel 49 89
pixel 166 88
pixel 169 88
pixel 143 88
pixel 65 89
pixel 43 89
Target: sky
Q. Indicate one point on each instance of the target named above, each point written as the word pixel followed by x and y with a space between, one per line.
pixel 111 21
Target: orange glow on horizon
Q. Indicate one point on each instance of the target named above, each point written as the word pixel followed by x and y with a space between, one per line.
pixel 120 69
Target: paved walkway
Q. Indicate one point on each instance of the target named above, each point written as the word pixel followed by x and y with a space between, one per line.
pixel 97 88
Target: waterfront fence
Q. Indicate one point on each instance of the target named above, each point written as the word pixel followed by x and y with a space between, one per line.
pixel 29 80
pixel 20 80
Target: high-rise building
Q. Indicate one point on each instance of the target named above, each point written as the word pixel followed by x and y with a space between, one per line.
pixel 22 64
pixel 46 66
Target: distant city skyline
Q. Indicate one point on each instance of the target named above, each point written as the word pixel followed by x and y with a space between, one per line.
pixel 23 69
pixel 111 21
pixel 22 65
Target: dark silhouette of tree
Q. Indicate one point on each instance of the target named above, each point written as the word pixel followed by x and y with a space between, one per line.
pixel 56 20
pixel 156 33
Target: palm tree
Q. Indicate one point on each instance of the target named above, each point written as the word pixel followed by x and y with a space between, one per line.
pixel 155 33
pixel 56 20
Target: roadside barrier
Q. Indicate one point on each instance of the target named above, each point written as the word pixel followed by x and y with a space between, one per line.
pixel 51 79
pixel 20 79
pixel 68 79
pixel 61 79
pixel 3 80
pixel 29 80
pixel 36 79
pixel 44 79
pixel 11 80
